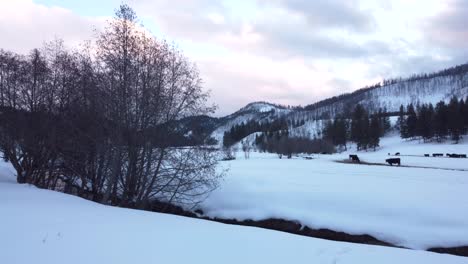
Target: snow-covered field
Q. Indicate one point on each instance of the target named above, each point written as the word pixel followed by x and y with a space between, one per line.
pixel 420 206
pixel 411 207
pixel 46 227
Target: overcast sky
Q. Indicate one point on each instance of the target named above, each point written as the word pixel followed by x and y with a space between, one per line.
pixel 283 51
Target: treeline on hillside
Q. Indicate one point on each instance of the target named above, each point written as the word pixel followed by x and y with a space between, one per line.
pixel 356 96
pixel 99 122
pixel 438 122
pixel 240 131
pixel 280 142
pixel 274 137
pixel 363 129
pixel 341 97
pixel 280 106
pixel 456 70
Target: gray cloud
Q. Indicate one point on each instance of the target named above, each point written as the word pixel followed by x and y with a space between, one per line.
pixel 281 36
pixel 285 40
pixel 449 28
pixel 346 15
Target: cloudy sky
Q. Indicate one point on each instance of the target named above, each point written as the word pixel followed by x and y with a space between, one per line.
pixel 284 51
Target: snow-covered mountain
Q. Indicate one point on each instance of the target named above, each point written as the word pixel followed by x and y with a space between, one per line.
pixel 422 88
pixel 258 111
pixel 389 96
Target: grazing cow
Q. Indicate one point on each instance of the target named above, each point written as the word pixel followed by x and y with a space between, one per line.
pixel 463 156
pixel 397 154
pixel 393 161
pixel 354 158
pixel 437 155
pixel 427 155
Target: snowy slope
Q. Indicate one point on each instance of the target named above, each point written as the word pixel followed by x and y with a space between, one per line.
pixel 392 96
pixel 413 207
pixel 260 107
pixel 311 129
pixel 421 91
pixel 389 97
pixel 45 227
pixel 258 111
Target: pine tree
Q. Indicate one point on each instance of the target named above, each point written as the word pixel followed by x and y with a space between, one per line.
pixel 386 124
pixel 328 131
pixel 359 127
pixel 374 132
pixel 365 138
pixel 424 120
pixel 411 122
pixel 454 120
pixel 429 133
pixel 401 123
pixel 464 115
pixel 440 121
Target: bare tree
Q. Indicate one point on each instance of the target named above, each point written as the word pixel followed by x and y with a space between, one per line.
pixel 228 153
pixel 102 120
pixel 246 149
pixel 150 85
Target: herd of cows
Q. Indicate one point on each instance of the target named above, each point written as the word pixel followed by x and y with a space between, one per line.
pixel 391 161
pixel 453 155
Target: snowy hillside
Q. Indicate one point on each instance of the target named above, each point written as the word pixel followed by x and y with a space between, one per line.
pixel 403 92
pixel 258 111
pixel 390 96
pixel 46 227
pixel 311 129
pixel 260 107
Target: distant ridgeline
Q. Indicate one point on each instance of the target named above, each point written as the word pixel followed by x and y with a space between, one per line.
pixel 430 106
pixel 391 93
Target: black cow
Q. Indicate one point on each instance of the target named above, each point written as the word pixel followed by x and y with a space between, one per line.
pixel 397 154
pixel 463 156
pixel 393 161
pixel 427 155
pixel 437 155
pixel 354 158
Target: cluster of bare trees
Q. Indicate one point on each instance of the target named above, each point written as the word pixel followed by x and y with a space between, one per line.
pixel 281 143
pixel 98 121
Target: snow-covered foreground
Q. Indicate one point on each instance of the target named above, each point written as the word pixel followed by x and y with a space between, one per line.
pixel 412 207
pixel 40 226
